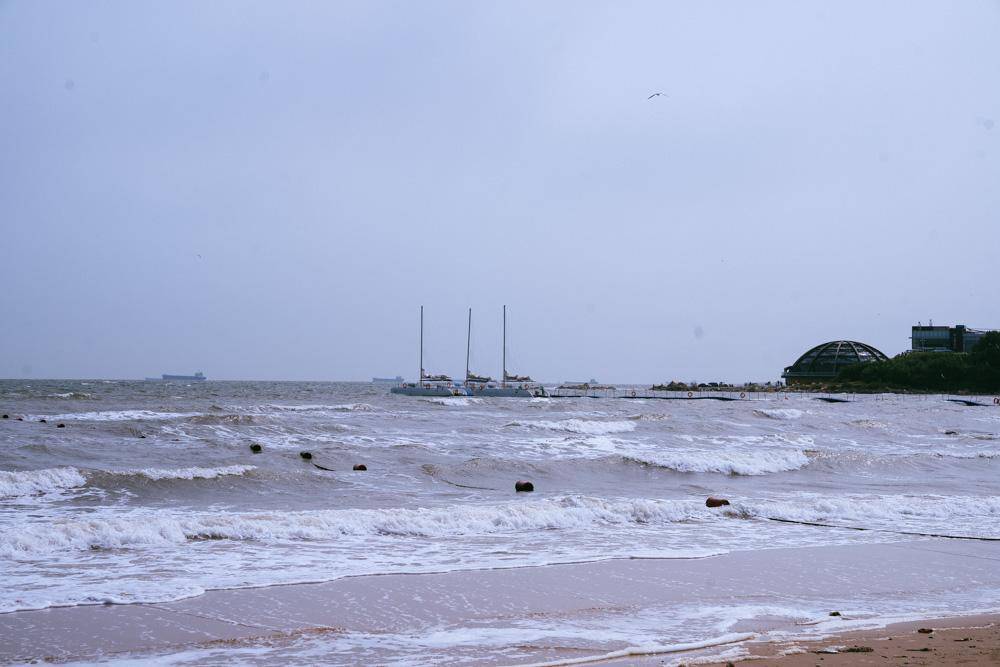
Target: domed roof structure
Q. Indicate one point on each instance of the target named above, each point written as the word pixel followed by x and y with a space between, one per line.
pixel 823 362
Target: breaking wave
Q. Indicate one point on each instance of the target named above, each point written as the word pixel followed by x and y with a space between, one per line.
pixel 228 419
pixel 116 415
pixel 141 530
pixel 38 482
pixel 732 462
pixel 157 474
pixel 53 480
pixel 779 413
pixel 344 407
pixel 454 400
pixel 971 515
pixel 582 426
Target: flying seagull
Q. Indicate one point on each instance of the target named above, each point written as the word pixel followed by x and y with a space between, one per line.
pixel 655 95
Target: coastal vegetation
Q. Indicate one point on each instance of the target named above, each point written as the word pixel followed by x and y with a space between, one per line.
pixel 975 371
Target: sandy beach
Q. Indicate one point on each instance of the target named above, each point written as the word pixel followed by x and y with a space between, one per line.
pixel 302 622
pixel 967 640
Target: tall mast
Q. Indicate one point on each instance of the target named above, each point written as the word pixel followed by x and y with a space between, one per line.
pixel 503 381
pixel 421 376
pixel 468 343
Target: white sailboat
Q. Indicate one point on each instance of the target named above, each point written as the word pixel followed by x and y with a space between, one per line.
pixel 428 385
pixel 510 385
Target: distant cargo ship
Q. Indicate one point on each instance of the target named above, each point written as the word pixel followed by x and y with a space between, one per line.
pixel 197 377
pixel 396 380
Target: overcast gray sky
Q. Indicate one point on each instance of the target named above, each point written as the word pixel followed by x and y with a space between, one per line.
pixel 270 190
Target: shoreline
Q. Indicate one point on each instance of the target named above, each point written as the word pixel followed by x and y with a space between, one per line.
pixel 770 595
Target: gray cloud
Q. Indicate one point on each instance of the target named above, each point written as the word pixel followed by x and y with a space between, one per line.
pixel 271 190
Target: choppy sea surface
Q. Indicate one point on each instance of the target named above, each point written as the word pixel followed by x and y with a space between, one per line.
pixel 150 492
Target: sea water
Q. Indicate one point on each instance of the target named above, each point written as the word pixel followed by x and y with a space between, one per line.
pixel 151 493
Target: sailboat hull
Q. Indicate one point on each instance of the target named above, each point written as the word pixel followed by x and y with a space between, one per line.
pixel 409 390
pixel 508 392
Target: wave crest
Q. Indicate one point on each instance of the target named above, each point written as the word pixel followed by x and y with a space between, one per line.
pixel 760 462
pixel 141 530
pixel 581 426
pixel 39 482
pixel 784 414
pixel 157 474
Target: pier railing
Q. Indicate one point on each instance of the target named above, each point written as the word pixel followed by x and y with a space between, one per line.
pixel 744 394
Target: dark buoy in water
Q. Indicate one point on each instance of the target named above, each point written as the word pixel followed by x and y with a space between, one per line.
pixel 360 466
pixel 255 448
pixel 42 421
pixel 306 455
pixel 6 416
pixel 20 419
pixel 523 486
pixel 715 502
pixel 951 432
pixel 60 425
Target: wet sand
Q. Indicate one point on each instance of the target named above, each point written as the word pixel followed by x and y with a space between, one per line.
pixel 412 604
pixel 972 640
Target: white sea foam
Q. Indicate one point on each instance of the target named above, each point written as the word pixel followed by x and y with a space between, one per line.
pixel 970 515
pixel 730 462
pixel 581 426
pixel 456 401
pixel 779 413
pixel 114 415
pixel 163 528
pixel 157 474
pixel 37 482
pixel 974 454
pixel 651 649
pixel 70 394
pixel 342 407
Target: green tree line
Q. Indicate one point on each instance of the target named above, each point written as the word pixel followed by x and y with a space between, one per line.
pixel 976 371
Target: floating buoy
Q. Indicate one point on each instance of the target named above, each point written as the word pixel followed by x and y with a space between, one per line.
pixel 60 425
pixel 42 421
pixel 715 502
pixel 834 613
pixel 925 631
pixel 6 416
pixel 360 466
pixel 255 448
pixel 20 419
pixel 306 455
pixel 523 486
pixel 951 432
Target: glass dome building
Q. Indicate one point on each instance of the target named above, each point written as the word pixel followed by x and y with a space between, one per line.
pixel 823 362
